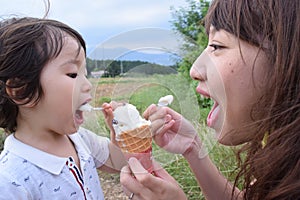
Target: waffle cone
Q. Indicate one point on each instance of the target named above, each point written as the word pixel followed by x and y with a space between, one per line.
pixel 136 141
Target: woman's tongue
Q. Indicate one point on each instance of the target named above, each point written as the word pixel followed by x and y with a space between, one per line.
pixel 213 115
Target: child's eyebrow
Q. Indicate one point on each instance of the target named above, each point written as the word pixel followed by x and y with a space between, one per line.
pixel 76 62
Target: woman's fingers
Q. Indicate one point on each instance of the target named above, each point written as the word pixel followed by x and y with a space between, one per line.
pixel 162 173
pixel 150 110
pixel 147 186
pixel 144 177
pixel 132 185
pixel 127 180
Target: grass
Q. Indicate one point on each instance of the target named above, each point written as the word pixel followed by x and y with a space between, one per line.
pixel 177 166
pixel 2 138
pixel 147 91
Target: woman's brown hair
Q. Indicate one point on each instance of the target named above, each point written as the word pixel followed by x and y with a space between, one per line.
pixel 26 46
pixel 271 171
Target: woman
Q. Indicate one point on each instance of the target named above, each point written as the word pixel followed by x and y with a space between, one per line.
pixel 250 69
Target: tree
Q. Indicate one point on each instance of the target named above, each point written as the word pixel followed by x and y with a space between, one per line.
pixel 189 22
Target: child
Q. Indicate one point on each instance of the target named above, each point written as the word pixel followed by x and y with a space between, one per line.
pixel 251 70
pixel 43 85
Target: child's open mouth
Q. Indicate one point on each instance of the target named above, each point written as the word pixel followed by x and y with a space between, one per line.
pixel 79 115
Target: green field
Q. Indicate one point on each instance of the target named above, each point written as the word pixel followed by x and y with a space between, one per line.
pixel 143 91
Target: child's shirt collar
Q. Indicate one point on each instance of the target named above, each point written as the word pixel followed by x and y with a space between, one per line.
pixel 46 161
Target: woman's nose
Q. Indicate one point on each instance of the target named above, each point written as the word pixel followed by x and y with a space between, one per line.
pixel 198 70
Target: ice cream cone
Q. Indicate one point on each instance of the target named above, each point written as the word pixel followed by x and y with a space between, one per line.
pixel 133 134
pixel 135 141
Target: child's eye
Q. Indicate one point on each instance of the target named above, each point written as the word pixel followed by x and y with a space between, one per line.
pixel 72 75
pixel 216 47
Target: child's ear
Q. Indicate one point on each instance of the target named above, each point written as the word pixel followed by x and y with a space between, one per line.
pixel 14 92
pixel 11 91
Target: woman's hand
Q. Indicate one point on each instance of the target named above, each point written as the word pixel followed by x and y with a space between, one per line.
pixel 171 130
pixel 145 186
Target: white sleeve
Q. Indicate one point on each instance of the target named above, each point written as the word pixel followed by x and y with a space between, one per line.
pixel 11 190
pixel 98 146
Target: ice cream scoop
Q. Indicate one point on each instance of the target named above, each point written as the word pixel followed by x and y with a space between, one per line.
pixel 88 107
pixel 166 100
pixel 127 118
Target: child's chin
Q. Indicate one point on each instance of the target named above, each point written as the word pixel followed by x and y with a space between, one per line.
pixel 74 128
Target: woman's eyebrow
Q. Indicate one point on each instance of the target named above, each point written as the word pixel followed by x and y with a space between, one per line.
pixel 212 30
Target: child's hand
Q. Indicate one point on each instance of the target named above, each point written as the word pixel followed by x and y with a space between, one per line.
pixel 108 114
pixel 108 109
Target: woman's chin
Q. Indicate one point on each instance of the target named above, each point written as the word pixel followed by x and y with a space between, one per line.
pixel 225 137
pixel 231 138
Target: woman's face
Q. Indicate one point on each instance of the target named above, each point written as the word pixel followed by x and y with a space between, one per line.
pixel 231 72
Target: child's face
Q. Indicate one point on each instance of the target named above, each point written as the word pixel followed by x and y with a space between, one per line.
pixel 231 82
pixel 65 88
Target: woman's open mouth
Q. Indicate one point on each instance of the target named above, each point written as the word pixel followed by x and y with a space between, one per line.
pixel 213 115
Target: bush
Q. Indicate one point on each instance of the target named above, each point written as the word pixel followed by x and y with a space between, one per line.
pixel 2 138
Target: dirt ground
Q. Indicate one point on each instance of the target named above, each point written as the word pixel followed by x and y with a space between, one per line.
pixel 115 89
pixel 111 186
pixel 110 183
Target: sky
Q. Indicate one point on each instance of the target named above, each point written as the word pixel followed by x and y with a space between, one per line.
pixel 133 24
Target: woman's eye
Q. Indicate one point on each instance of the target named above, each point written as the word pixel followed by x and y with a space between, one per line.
pixel 72 75
pixel 216 47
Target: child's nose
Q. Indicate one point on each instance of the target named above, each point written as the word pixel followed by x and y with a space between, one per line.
pixel 87 85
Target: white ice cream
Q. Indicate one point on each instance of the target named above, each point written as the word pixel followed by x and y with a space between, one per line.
pixel 86 107
pixel 126 118
pixel 166 100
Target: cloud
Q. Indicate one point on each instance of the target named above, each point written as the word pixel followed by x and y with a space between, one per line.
pixel 146 40
pixel 99 20
pixel 113 13
pixel 34 8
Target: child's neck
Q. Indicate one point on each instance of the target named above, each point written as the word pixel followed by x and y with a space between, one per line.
pixel 52 143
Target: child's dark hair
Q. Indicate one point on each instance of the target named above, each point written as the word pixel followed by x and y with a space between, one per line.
pixel 26 46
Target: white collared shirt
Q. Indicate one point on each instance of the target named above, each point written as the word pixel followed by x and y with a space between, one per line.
pixel 29 173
